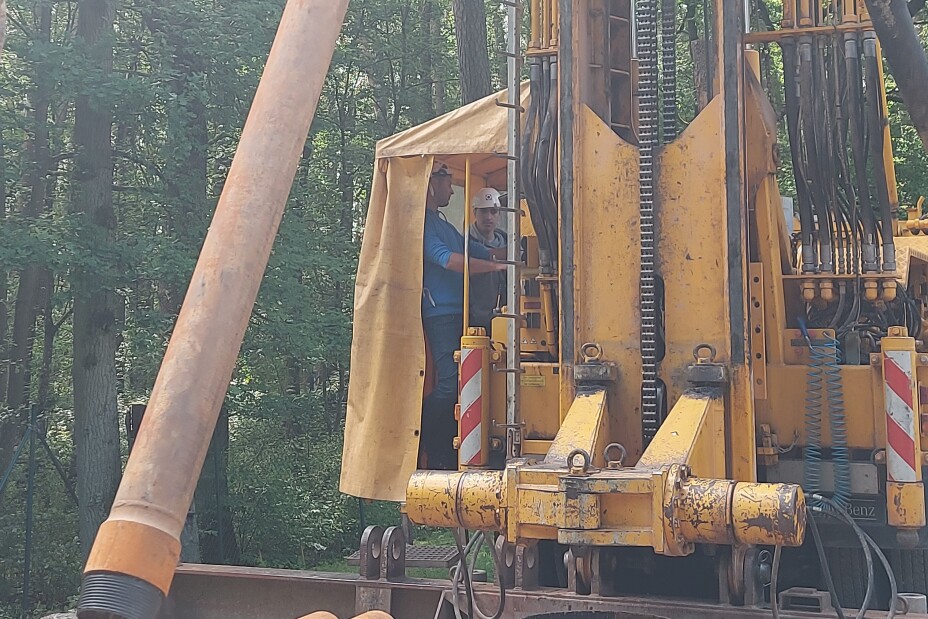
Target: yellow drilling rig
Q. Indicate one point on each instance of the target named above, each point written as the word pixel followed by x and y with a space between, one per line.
pixel 691 370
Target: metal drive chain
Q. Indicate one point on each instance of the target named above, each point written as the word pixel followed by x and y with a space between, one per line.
pixel 669 69
pixel 646 27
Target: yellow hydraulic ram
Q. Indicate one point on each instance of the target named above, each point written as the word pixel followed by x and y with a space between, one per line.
pixel 670 500
pixel 667 510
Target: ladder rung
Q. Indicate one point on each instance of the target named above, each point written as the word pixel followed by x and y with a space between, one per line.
pixel 508 54
pixel 517 5
pixel 507 209
pixel 506 156
pixel 510 370
pixel 510 316
pixel 514 263
pixel 511 106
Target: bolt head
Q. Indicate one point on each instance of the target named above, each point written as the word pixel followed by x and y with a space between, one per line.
pixel 875 359
pixel 880 456
pixel 923 359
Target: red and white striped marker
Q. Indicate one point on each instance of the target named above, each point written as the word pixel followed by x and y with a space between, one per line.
pixel 471 386
pixel 899 381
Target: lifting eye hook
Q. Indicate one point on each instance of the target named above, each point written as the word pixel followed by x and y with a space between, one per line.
pixel 591 352
pixel 704 353
pixel 611 448
pixel 584 465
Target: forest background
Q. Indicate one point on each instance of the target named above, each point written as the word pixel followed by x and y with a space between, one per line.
pixel 118 123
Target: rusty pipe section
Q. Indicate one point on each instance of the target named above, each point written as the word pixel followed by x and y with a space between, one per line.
pixel 132 562
pixel 468 499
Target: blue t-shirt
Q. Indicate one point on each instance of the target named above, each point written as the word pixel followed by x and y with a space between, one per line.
pixel 443 290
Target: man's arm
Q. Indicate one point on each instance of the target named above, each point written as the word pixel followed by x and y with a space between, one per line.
pixel 477 266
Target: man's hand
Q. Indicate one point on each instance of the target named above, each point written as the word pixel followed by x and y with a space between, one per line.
pixel 477 266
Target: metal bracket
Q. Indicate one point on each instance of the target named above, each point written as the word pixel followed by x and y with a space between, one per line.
pixel 707 374
pixel 595 373
pixel 371 542
pixel 393 554
pixel 527 567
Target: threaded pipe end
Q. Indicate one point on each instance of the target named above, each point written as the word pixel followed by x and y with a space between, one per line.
pixel 106 595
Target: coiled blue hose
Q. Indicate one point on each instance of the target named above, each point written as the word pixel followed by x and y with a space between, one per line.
pixel 834 389
pixel 812 460
pixel 825 371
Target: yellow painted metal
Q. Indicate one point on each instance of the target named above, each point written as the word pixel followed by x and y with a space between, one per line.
pixel 691 191
pixel 805 13
pixel 905 505
pixel 676 496
pixel 540 384
pixel 476 340
pixel 468 499
pixel 789 10
pixel 758 341
pixel 693 434
pixel 769 514
pixel 468 216
pixel 555 18
pixel 606 297
pixel 705 508
pixel 535 16
pixel 784 408
pixel 583 428
pixel 888 162
pixel 752 60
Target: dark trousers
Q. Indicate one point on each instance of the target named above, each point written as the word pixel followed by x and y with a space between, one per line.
pixel 438 424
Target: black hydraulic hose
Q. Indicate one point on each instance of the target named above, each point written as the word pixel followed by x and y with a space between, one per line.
pixel 824 142
pixel 528 154
pixel 849 201
pixel 826 570
pixel 809 259
pixel 813 121
pixel 543 166
pixel 551 186
pixel 870 261
pixel 874 106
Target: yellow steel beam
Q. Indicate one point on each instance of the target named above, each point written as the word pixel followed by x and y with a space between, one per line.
pixel 583 428
pixel 693 434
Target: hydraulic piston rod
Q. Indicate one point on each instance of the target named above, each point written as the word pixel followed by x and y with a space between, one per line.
pixel 132 562
pixel 610 507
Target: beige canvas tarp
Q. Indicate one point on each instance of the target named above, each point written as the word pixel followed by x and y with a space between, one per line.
pixel 388 347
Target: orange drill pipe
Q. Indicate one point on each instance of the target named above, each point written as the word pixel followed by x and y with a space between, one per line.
pixel 132 562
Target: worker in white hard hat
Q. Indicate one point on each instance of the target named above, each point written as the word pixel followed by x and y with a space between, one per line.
pixel 487 289
pixel 443 315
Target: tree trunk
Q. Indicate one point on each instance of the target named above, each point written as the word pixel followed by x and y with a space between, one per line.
pixel 96 331
pixel 906 57
pixel 186 173
pixel 29 293
pixel 2 23
pixel 470 30
pixel 437 75
pixel 4 288
pixel 219 544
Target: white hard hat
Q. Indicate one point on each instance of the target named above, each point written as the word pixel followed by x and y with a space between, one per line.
pixel 486 198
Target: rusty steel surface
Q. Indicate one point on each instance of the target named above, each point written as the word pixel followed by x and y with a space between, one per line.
pixel 224 592
pixel 140 537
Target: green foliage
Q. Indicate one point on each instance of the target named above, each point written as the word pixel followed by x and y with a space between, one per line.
pixel 184 74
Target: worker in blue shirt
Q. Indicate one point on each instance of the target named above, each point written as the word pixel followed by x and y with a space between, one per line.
pixel 443 315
